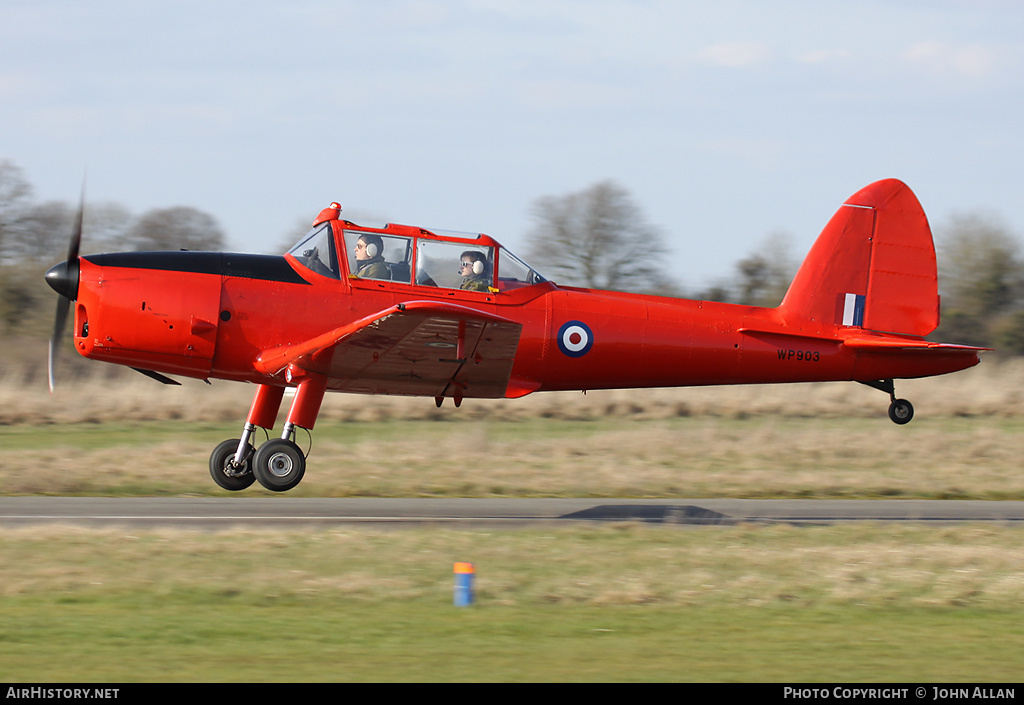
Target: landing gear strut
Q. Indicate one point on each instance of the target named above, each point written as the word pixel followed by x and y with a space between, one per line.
pixel 901 411
pixel 279 464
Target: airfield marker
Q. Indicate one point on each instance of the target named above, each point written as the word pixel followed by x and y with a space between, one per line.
pixel 463 584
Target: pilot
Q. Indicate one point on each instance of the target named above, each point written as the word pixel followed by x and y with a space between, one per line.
pixel 370 257
pixel 473 270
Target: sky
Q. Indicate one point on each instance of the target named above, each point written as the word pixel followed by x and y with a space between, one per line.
pixel 726 121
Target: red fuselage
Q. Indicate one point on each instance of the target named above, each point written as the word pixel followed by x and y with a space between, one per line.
pixel 209 315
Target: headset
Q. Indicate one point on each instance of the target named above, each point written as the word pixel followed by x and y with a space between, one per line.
pixel 374 245
pixel 478 265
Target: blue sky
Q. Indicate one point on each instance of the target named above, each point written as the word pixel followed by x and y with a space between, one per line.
pixel 726 121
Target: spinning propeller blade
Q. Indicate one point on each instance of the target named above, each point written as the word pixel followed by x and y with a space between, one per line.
pixel 63 278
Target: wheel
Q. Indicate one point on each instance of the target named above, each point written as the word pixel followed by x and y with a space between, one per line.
pixel 222 471
pixel 901 411
pixel 279 465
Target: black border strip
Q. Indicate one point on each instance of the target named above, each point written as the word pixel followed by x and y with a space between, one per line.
pixel 227 264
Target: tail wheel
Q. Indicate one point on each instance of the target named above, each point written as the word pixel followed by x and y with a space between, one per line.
pixel 223 470
pixel 901 411
pixel 279 465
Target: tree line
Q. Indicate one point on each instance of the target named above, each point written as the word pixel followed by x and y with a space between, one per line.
pixel 596 237
pixel 34 236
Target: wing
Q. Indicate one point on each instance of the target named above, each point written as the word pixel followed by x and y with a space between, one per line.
pixel 418 348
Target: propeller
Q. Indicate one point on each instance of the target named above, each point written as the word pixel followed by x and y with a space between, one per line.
pixel 63 278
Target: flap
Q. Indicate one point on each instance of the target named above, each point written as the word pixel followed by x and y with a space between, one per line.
pixel 417 348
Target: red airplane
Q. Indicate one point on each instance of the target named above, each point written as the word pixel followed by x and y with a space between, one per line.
pixel 408 311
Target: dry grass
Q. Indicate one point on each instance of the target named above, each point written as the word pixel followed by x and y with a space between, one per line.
pixel 99 392
pixel 630 602
pixel 866 565
pixel 608 603
pixel 812 440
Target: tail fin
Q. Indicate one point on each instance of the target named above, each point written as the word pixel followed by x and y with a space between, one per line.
pixel 873 266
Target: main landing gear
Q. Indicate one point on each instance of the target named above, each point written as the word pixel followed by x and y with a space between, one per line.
pixel 901 411
pixel 279 464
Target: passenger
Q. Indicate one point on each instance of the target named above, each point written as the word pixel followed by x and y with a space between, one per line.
pixel 370 258
pixel 473 269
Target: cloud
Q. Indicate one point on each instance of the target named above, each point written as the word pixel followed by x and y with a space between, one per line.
pixel 19 85
pixel 968 60
pixel 555 94
pixel 736 54
pixel 822 56
pixel 764 154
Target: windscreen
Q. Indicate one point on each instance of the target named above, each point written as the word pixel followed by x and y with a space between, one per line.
pixel 316 252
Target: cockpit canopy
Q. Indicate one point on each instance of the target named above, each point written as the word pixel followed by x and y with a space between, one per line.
pixel 414 256
pixel 316 251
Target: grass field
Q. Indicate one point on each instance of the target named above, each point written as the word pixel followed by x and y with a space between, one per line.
pixel 605 603
pixel 621 603
pixel 942 458
pixel 129 435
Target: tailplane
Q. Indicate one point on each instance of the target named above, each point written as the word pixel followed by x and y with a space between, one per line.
pixel 872 267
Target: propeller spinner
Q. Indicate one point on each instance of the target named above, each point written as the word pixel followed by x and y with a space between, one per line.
pixel 63 278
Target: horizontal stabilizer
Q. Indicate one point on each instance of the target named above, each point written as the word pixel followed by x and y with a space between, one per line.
pixel 782 333
pixel 890 343
pixel 862 343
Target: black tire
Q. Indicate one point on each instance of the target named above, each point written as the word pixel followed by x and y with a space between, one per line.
pixel 901 411
pixel 220 467
pixel 279 465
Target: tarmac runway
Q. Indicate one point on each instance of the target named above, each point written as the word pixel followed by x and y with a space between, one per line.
pixel 268 512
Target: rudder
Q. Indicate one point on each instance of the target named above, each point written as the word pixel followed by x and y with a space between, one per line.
pixel 873 266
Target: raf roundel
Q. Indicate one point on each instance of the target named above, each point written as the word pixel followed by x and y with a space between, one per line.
pixel 575 339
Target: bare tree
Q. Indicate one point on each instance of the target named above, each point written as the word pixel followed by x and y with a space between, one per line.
pixel 178 228
pixel 981 278
pixel 15 199
pixel 42 236
pixel 598 238
pixel 980 265
pixel 106 229
pixel 765 275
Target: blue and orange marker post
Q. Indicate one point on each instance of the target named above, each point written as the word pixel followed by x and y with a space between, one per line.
pixel 463 584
